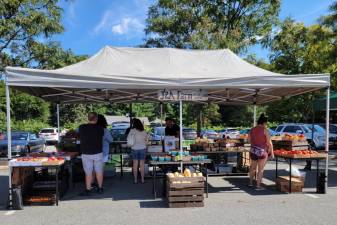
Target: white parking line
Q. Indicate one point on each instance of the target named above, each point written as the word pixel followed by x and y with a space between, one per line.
pixel 8 213
pixel 312 196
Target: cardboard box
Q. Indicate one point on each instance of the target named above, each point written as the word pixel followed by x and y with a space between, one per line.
pixel 282 184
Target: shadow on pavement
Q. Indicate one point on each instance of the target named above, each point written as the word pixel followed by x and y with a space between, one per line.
pixel 153 204
pixel 117 189
pixel 3 191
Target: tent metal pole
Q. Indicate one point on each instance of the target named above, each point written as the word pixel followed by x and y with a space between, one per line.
pixel 58 121
pixel 161 121
pixel 9 141
pixel 254 115
pixel 130 112
pixel 327 134
pixel 181 133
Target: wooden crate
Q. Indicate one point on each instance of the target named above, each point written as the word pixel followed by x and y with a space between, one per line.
pixel 282 184
pixel 290 145
pixel 185 192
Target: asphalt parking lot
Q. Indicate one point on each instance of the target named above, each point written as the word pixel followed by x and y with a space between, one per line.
pixel 230 202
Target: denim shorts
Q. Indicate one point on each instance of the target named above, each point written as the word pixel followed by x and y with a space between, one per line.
pixel 139 154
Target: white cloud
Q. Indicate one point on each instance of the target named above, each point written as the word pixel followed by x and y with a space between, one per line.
pixel 127 25
pixel 125 20
pixel 104 22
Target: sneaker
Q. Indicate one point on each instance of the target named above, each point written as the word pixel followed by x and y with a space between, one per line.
pixel 86 193
pixel 94 186
pixel 100 191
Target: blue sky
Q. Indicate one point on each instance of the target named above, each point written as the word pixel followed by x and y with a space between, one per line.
pixel 90 25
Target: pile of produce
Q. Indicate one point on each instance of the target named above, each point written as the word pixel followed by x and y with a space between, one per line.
pixel 243 136
pixel 199 140
pixel 187 173
pixel 289 137
pixel 37 161
pixel 298 153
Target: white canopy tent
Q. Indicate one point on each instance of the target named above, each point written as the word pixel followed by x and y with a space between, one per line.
pixel 121 75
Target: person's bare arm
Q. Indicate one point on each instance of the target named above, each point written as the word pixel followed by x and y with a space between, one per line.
pixel 269 143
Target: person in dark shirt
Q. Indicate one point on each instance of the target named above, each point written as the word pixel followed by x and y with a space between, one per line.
pixel 91 136
pixel 171 129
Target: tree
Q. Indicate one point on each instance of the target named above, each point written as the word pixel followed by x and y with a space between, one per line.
pixel 22 22
pixel 210 24
pixel 298 49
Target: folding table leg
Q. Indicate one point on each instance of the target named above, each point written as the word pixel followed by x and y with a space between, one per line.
pixel 57 185
pixel 290 160
pixel 317 175
pixel 154 181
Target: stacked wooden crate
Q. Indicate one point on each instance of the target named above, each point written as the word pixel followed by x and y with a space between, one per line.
pixel 290 144
pixel 185 192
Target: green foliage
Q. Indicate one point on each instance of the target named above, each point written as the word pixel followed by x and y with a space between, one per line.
pixel 29 125
pixel 204 24
pixel 21 23
pixel 298 49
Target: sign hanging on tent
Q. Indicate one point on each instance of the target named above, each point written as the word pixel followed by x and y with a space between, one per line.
pixel 184 95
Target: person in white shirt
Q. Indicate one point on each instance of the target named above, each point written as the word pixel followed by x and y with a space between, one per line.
pixel 137 139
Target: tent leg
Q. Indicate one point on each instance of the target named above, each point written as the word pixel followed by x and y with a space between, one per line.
pixel 327 134
pixel 9 143
pixel 199 121
pixel 254 115
pixel 58 121
pixel 181 132
pixel 130 112
pixel 161 121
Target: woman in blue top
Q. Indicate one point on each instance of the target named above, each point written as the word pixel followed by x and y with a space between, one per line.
pixel 107 138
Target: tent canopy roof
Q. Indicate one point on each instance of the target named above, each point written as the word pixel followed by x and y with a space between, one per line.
pixel 136 74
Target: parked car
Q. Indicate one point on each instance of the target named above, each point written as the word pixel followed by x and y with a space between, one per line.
pixel 22 143
pixel 50 135
pixel 157 134
pixel 68 142
pixel 230 133
pixel 300 128
pixel 332 127
pixel 118 133
pixel 210 134
pixel 271 132
pixel 189 134
pixel 319 134
pixel 122 124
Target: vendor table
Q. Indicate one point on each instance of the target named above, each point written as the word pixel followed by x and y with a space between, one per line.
pixel 69 158
pixel 290 158
pixel 58 169
pixel 155 164
pixel 218 153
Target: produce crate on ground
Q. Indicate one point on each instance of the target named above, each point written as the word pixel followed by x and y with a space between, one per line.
pixel 42 198
pixel 290 144
pixel 282 184
pixel 185 191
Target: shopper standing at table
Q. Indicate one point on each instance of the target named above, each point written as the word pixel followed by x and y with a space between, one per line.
pixel 137 139
pixel 91 135
pixel 107 138
pixel 261 148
